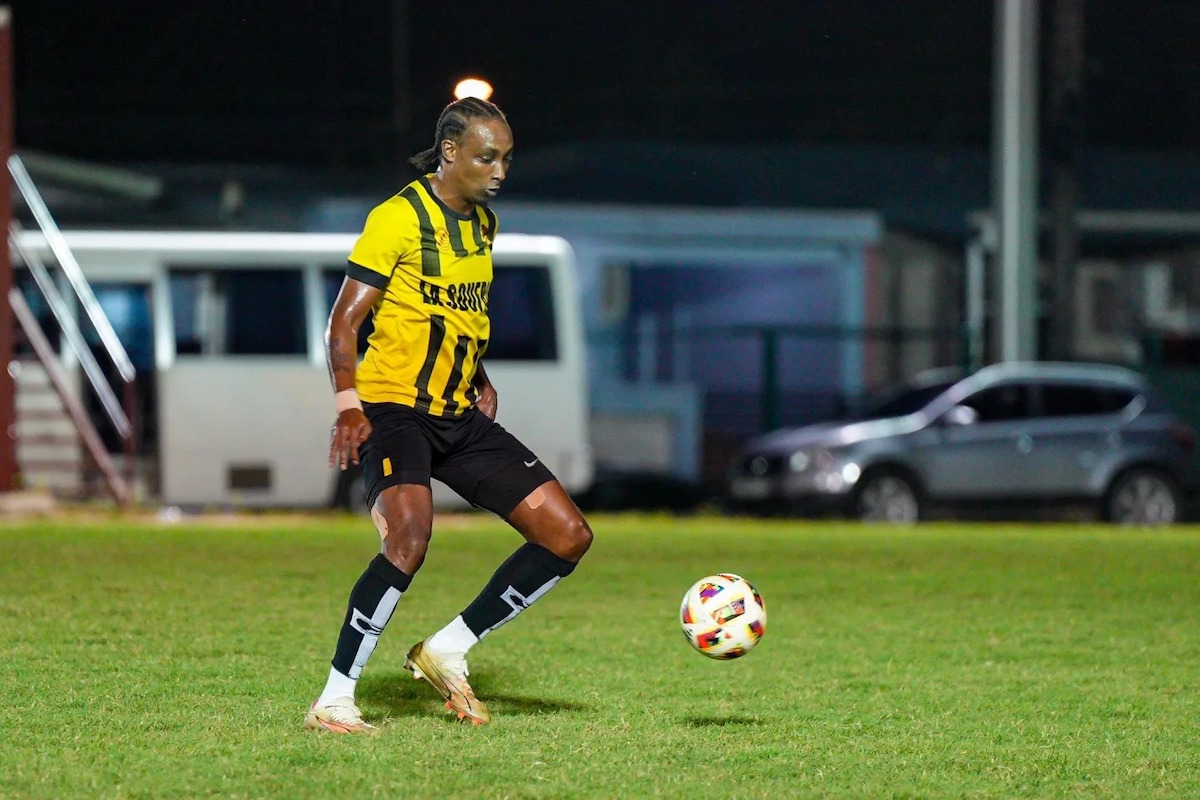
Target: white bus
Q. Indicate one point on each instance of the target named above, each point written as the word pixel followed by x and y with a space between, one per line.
pixel 227 329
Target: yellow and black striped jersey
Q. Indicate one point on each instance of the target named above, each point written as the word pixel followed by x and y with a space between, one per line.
pixel 431 324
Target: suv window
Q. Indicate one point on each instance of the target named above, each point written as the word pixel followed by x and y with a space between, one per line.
pixel 999 403
pixel 1066 400
pixel 906 402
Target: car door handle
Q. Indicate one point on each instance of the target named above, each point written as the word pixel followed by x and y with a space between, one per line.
pixel 1024 443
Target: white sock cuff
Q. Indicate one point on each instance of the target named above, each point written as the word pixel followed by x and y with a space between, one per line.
pixel 338 685
pixel 455 639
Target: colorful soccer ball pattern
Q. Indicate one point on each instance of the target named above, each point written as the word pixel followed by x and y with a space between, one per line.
pixel 723 616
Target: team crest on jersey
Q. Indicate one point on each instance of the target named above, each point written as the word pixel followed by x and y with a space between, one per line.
pixel 442 237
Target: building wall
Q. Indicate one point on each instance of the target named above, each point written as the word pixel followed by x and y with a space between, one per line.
pixel 915 291
pixel 672 386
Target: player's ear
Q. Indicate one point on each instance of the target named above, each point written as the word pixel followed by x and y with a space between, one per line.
pixel 449 150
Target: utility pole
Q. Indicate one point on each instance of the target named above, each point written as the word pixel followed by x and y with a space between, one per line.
pixel 1065 135
pixel 401 92
pixel 8 389
pixel 1015 177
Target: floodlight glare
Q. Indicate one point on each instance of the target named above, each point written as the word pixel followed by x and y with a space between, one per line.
pixel 473 87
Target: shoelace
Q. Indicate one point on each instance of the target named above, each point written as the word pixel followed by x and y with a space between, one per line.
pixel 457 668
pixel 345 713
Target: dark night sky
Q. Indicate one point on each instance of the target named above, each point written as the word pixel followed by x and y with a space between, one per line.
pixel 312 83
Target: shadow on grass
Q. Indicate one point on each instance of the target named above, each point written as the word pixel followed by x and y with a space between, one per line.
pixel 402 696
pixel 398 693
pixel 514 704
pixel 720 722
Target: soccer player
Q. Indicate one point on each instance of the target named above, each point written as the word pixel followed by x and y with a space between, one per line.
pixel 420 404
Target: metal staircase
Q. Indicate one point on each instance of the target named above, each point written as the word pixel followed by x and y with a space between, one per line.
pixel 49 449
pixel 58 447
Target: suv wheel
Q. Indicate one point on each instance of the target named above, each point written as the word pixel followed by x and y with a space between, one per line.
pixel 887 497
pixel 1142 496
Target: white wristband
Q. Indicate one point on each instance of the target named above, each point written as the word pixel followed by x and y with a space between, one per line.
pixel 347 399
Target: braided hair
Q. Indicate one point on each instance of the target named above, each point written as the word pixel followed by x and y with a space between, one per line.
pixel 453 122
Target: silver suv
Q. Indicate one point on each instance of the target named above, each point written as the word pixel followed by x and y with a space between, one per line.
pixel 1012 433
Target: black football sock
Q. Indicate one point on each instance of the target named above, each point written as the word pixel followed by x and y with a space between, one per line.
pixel 372 602
pixel 527 575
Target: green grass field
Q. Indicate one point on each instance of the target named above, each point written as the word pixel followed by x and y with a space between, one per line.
pixel 148 660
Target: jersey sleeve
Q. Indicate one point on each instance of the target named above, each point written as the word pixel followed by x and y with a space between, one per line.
pixel 492 221
pixel 388 236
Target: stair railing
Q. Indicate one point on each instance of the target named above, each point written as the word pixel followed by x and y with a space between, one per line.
pixel 118 487
pixel 121 418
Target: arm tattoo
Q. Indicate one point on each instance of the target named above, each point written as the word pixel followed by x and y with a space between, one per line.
pixel 341 359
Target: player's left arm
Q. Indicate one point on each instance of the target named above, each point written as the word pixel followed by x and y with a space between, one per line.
pixel 488 401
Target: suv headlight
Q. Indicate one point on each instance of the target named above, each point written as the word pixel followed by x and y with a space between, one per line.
pixel 811 458
pixel 799 461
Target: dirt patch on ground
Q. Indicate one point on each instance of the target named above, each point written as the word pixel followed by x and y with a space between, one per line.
pixel 41 505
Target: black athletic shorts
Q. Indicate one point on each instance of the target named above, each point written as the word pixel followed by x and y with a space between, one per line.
pixel 471 454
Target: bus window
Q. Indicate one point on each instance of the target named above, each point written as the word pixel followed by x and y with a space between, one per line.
pixel 521 307
pixel 238 311
pixel 127 306
pixel 332 279
pixel 23 281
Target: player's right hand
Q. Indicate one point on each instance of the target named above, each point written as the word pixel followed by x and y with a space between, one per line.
pixel 349 431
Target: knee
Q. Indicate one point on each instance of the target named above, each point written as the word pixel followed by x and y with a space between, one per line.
pixel 576 539
pixel 405 544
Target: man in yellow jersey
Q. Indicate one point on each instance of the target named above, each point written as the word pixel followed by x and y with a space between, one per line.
pixel 421 405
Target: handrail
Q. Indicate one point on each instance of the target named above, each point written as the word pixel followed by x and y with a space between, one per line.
pixel 74 337
pixel 91 439
pixel 120 417
pixel 66 259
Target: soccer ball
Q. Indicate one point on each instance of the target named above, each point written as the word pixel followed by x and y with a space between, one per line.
pixel 723 616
